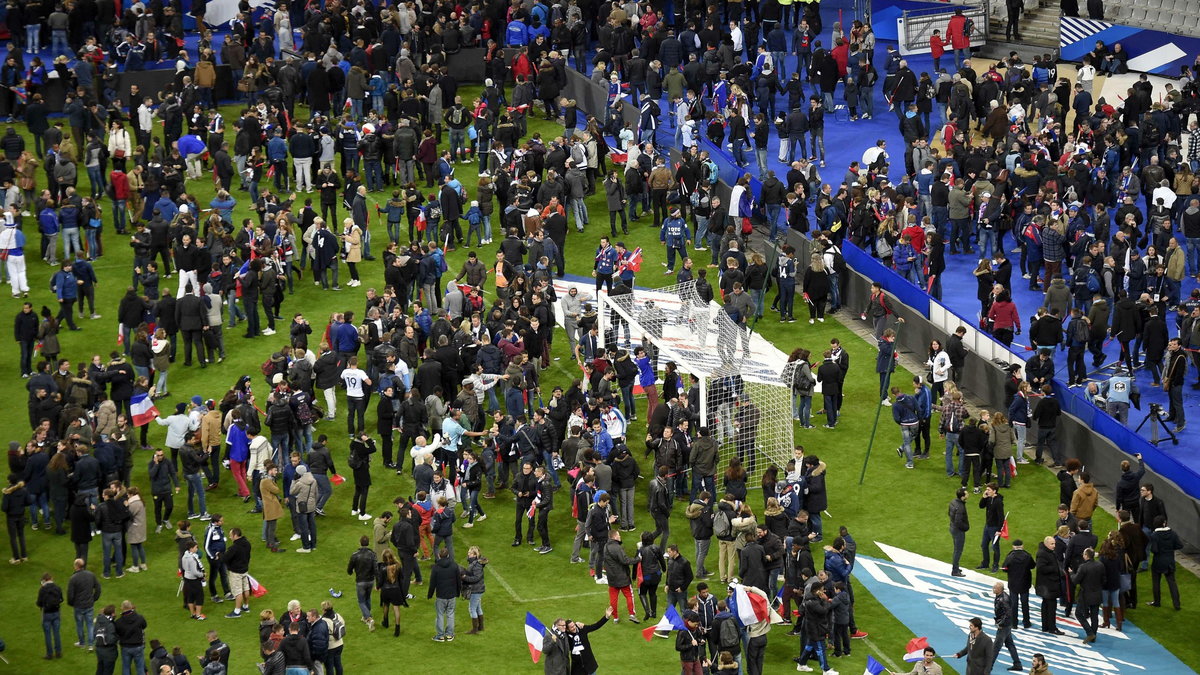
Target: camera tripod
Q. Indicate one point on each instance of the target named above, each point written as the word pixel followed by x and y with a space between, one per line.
pixel 1156 420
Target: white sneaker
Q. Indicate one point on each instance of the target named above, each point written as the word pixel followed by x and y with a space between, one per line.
pixel 365 516
pixel 887 403
pixel 295 537
pixel 803 668
pixel 602 580
pixel 268 331
pixel 831 672
pixel 482 518
pixel 468 524
pixel 304 550
pixel 353 512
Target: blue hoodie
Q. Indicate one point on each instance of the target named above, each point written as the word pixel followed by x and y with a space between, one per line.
pixel 48 221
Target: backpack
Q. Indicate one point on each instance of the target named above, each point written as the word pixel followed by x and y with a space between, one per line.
pixel 456 115
pixel 268 368
pixel 441 262
pixel 1079 331
pixel 338 631
pixel 882 247
pixel 1093 282
pixel 305 413
pixel 727 635
pixel 355 460
pixel 722 524
pixel 435 211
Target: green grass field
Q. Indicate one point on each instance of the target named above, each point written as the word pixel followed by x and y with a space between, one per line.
pixel 899 507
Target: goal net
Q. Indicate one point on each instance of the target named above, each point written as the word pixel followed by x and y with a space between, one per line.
pixel 743 399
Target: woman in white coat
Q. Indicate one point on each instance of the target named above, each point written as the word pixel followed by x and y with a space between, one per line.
pixel 119 145
pixel 939 368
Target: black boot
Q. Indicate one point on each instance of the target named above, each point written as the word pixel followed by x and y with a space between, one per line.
pixel 396 633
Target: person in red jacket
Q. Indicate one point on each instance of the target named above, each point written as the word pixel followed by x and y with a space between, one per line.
pixel 937 47
pixel 120 195
pixel 959 31
pixel 1004 318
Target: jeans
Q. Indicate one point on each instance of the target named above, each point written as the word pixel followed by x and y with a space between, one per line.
pixel 907 434
pixel 363 589
pixel 802 409
pixel 445 617
pixel 739 155
pixel 990 543
pixel 1004 639
pixel 70 239
pixel 51 623
pixel 111 542
pixel 134 656
pixel 374 175
pixel 1193 256
pixel 959 538
pixel 306 523
pixel 625 510
pixel 195 483
pixel 58 42
pixel 83 625
pixel 951 447
pixel 33 41
pixel 475 605
pixel 324 490
pixel 987 242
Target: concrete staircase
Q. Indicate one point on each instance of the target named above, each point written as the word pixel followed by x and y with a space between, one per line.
pixel 1039 33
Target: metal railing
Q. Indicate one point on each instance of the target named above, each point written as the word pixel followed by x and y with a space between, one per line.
pixel 919 24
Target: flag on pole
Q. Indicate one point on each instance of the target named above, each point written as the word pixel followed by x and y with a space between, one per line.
pixel 916 649
pixel 1012 466
pixel 143 409
pixel 873 667
pixel 534 630
pixel 1004 528
pixel 120 335
pixel 533 507
pixel 670 621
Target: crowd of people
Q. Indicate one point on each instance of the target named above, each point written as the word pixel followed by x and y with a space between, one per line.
pixel 459 382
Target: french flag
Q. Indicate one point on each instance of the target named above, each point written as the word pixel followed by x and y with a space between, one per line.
pixel 534 630
pixel 916 649
pixel 670 621
pixel 873 667
pixel 143 409
pixel 749 605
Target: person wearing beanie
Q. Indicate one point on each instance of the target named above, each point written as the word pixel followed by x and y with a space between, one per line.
pixel 303 492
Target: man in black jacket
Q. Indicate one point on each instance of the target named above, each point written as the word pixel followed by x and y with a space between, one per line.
pixel 524 486
pixel 295 649
pixel 959 525
pixel 131 635
pixel 660 506
pixel 191 316
pixel 679 577
pixel 83 591
pixel 404 538
pixel 236 559
pixel 1018 565
pixel 445 582
pixel 1004 618
pixel 362 565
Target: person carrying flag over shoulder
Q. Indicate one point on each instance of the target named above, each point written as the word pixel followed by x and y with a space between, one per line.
pixel 925 666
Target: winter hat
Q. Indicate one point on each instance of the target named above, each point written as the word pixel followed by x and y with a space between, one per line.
pixel 301 470
pixel 277 379
pixel 196 400
pixel 180 407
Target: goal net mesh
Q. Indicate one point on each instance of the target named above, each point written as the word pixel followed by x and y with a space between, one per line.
pixel 744 401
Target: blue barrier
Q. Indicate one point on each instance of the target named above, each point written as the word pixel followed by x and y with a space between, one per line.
pixel 1073 401
pixel 903 289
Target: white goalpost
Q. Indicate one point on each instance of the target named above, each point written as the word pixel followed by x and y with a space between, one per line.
pixel 743 398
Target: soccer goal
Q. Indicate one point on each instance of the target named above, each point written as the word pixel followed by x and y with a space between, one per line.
pixel 743 398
